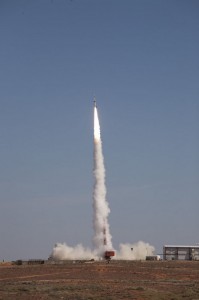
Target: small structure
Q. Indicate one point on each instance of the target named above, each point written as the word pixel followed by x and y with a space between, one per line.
pixel 36 261
pixel 108 255
pixel 20 262
pixel 153 257
pixel 180 252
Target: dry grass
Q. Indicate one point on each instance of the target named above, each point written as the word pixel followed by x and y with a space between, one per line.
pixel 100 281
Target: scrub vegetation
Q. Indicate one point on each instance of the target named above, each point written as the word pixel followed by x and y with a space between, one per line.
pixel 154 280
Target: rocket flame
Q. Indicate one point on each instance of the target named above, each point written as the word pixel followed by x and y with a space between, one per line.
pixel 96 126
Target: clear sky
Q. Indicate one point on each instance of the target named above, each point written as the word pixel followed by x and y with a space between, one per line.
pixel 140 58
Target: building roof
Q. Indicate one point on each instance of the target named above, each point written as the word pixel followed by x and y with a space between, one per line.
pixel 181 246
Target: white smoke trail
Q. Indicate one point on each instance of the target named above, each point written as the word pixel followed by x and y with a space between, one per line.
pixel 102 237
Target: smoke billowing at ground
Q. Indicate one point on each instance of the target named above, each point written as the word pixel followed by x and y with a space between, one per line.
pixel 129 251
pixel 63 251
pixel 135 251
pixel 102 239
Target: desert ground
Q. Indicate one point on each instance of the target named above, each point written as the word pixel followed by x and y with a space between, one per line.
pixel 154 280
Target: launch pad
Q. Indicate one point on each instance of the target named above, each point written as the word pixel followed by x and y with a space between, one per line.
pixel 109 254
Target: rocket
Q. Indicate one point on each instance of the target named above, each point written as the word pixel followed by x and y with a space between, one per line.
pixel 95 103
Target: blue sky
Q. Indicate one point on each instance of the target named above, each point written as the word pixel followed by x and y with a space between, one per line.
pixel 140 59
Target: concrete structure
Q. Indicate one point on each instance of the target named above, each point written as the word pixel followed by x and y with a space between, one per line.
pixel 153 257
pixel 180 252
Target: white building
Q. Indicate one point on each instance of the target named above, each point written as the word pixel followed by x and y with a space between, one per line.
pixel 180 252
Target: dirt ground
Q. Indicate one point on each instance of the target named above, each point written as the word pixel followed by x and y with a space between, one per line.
pixel 154 280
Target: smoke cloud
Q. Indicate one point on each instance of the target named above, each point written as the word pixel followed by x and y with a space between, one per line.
pixel 136 251
pixel 65 252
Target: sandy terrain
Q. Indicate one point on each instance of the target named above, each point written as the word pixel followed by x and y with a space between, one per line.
pixel 99 280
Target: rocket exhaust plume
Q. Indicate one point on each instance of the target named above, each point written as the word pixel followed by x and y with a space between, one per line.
pixel 102 237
